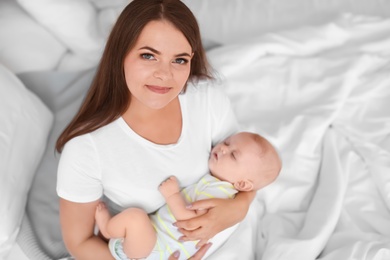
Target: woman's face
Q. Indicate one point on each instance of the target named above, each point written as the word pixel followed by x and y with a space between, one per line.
pixel 158 66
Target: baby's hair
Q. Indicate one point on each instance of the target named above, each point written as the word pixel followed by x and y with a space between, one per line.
pixel 271 162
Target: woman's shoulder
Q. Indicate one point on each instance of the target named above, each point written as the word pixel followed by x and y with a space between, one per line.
pixel 78 144
pixel 88 141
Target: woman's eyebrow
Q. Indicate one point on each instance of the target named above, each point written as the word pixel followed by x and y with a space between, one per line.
pixel 182 54
pixel 158 52
pixel 150 49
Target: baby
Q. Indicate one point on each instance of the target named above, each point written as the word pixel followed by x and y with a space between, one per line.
pixel 242 162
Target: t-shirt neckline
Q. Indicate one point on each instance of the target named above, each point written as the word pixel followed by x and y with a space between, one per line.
pixel 129 131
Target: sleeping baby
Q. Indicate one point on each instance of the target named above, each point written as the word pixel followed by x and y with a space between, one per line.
pixel 243 162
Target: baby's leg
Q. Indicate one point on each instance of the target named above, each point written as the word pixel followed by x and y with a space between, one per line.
pixel 135 227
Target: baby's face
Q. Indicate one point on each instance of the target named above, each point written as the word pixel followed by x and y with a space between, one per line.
pixel 234 158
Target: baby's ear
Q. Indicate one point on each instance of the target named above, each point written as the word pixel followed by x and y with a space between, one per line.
pixel 243 185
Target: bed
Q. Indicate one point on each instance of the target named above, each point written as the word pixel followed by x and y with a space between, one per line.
pixel 311 76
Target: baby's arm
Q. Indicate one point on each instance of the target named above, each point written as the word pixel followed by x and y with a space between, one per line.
pixel 171 191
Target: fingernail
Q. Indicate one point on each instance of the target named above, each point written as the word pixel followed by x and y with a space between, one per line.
pixel 189 206
pixel 176 254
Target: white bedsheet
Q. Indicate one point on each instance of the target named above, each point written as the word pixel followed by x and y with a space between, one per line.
pixel 322 95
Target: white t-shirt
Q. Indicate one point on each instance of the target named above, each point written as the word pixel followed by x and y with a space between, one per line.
pixel 116 162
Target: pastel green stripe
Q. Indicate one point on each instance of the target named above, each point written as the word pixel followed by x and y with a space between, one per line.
pixel 158 244
pixel 172 236
pixel 205 194
pixel 170 214
pixel 221 188
pixel 188 198
pixel 165 226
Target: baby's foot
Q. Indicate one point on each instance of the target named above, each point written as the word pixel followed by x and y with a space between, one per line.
pixel 102 216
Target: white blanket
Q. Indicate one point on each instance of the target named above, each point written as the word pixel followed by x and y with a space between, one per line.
pixel 322 96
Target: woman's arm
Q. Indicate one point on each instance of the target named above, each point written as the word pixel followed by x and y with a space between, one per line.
pixel 77 225
pixel 221 214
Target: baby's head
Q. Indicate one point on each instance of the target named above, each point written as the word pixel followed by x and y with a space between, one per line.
pixel 246 160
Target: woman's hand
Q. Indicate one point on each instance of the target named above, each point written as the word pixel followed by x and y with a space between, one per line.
pixel 221 214
pixel 198 255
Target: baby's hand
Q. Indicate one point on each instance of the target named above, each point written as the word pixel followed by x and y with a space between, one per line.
pixel 169 187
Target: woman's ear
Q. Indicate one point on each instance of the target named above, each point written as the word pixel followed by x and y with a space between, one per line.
pixel 243 185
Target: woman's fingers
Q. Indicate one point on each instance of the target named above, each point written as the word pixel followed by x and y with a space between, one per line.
pixel 201 243
pixel 202 204
pixel 191 235
pixel 197 228
pixel 175 255
pixel 197 256
pixel 190 224
pixel 201 252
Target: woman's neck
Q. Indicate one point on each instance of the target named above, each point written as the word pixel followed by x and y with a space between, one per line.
pixel 160 126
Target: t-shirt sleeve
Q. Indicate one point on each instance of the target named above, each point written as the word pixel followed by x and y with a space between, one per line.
pixel 78 176
pixel 223 119
pixel 208 188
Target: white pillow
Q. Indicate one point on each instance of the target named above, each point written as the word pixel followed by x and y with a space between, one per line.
pixel 227 21
pixel 25 123
pixel 74 22
pixel 25 45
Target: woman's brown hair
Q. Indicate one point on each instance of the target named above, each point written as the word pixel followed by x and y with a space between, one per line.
pixel 108 96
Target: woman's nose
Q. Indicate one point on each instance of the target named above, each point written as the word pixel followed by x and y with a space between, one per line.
pixel 163 71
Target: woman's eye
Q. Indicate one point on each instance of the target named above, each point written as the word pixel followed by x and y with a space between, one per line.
pixel 181 61
pixel 147 56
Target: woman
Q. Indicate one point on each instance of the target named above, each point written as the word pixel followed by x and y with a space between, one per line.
pixel 147 115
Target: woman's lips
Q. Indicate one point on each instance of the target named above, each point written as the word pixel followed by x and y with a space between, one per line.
pixel 158 89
